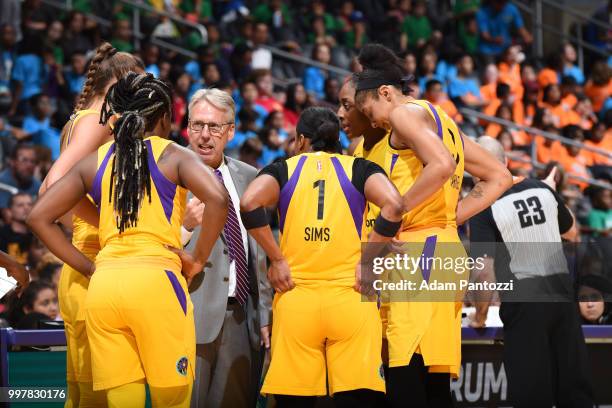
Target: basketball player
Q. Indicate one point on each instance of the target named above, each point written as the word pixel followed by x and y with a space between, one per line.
pixel 425 159
pixel 138 315
pixel 321 325
pixel 82 135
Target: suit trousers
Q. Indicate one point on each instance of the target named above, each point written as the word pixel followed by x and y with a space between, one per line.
pixel 226 369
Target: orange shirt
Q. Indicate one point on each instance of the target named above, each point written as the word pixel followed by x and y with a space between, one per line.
pixel 546 77
pixel 576 165
pixel 569 100
pixel 451 110
pixel 516 165
pixel 546 154
pixel 488 92
pixel 605 144
pixel 562 115
pixel 512 77
pixel 598 94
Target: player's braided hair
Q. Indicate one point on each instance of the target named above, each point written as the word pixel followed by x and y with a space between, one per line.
pixel 106 65
pixel 140 101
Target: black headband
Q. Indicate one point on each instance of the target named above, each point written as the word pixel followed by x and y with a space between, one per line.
pixel 373 83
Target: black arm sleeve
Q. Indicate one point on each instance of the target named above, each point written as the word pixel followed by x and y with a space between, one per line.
pixel 483 234
pixel 362 169
pixel 564 216
pixel 278 170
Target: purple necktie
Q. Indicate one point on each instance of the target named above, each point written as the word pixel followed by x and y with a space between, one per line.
pixel 235 246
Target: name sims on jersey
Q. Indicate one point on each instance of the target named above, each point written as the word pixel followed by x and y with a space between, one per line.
pixel 316 234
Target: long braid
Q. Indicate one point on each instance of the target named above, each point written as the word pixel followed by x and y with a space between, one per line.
pixel 140 101
pixel 104 51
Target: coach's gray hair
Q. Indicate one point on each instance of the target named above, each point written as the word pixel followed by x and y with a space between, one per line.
pixel 494 147
pixel 217 98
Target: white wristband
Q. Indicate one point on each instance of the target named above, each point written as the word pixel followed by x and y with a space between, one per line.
pixel 185 236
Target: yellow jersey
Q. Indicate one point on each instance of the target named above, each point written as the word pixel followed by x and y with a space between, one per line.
pixel 321 212
pixel 377 155
pixel 159 219
pixel 84 235
pixel 404 167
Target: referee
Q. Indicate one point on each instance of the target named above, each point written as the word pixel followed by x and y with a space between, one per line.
pixel 519 236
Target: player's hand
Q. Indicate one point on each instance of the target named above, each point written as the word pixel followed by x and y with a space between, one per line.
pixel 20 274
pixel 396 246
pixel 364 279
pixel 193 214
pixel 265 336
pixel 190 267
pixel 550 179
pixel 279 276
pixel 477 320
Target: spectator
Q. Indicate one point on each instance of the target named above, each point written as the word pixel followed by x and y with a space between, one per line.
pixel 206 56
pixel 296 102
pixel 276 121
pixel 496 20
pixel 29 75
pixel 182 84
pixel 247 129
pixel 583 114
pixel 318 10
pixel 551 99
pixel 150 56
pixel 74 34
pixel 20 173
pixel 8 38
pixel 38 298
pixel 35 17
pixel 593 309
pixel 504 96
pixel 435 95
pixel 574 159
pixel 122 35
pixel 271 146
pixel 519 162
pixel 314 78
pixel 250 152
pixel 248 96
pixel 75 74
pixel 464 12
pixel 331 88
pixel 357 36
pixel 600 137
pixel 429 59
pixel 547 149
pixel 505 112
pixel 410 63
pixel 416 28
pixel 568 60
pixel 211 76
pixel 240 61
pixel 319 33
pixel 551 72
pixel 55 32
pixel 262 57
pixel 15 237
pixel 510 70
pixel 464 89
pixel 599 219
pixel 599 87
pixel 38 125
pixel 50 272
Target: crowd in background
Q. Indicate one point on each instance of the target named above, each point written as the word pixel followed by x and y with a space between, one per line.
pixel 463 54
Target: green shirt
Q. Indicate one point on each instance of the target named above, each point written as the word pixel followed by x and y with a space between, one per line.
pixel 121 45
pixel 600 219
pixel 462 6
pixel 416 28
pixel 263 14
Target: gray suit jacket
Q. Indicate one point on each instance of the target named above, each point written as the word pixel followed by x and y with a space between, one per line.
pixel 209 289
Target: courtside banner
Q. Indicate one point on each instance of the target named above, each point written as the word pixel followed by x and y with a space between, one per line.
pixel 433 271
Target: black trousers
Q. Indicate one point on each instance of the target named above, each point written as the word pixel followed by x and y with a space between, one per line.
pixel 545 355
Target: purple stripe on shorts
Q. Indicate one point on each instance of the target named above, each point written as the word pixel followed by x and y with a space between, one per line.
pixel 287 192
pixel 394 158
pixel 355 199
pixel 428 253
pixel 178 290
pixel 96 188
pixel 165 188
pixel 437 118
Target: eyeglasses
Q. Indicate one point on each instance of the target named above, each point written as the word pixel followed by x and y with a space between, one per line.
pixel 215 129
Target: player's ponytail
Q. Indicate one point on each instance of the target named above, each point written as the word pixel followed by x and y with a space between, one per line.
pixel 380 67
pixel 140 101
pixel 106 65
pixel 322 127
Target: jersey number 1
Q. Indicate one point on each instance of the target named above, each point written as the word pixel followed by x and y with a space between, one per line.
pixel 321 185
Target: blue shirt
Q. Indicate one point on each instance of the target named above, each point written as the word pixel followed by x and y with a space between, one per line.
pixel 43 134
pixel 462 86
pixel 239 138
pixel 6 177
pixel 153 69
pixel 7 58
pixel 75 82
pixel 424 79
pixel 446 71
pixel 268 155
pixel 574 72
pixel 314 81
pixel 497 25
pixel 31 72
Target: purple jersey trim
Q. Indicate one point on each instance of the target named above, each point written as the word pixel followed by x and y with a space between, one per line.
pixel 355 199
pixel 96 188
pixel 394 158
pixel 287 192
pixel 165 188
pixel 428 253
pixel 437 118
pixel 178 290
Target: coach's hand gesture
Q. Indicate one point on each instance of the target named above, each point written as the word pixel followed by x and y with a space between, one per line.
pixel 279 276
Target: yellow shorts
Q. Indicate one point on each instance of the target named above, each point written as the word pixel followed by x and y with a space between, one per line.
pixel 72 291
pixel 431 328
pixel 319 328
pixel 140 324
